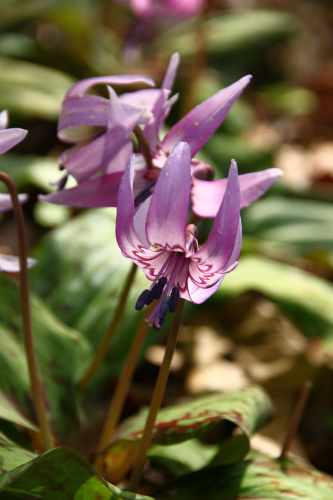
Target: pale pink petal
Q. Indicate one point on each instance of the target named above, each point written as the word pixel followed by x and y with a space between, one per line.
pixel 83 86
pixel 168 212
pixel 11 263
pixel 218 249
pixel 10 137
pixel 207 195
pixel 100 191
pixel 6 202
pixel 202 121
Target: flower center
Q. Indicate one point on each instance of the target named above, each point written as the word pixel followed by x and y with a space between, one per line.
pixel 164 290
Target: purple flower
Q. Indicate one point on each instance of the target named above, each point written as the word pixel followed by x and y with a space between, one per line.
pixel 98 162
pixel 174 9
pixel 8 139
pixel 158 239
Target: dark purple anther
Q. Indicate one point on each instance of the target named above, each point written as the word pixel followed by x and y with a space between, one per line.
pixel 144 194
pixel 164 309
pixel 142 300
pixel 157 289
pixel 174 299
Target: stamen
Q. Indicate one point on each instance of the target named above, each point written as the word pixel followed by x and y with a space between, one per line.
pixel 174 299
pixel 164 309
pixel 142 300
pixel 157 289
pixel 62 182
pixel 144 194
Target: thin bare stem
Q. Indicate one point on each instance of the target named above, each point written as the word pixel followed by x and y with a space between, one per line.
pixel 36 388
pixel 103 347
pixel 156 399
pixel 145 147
pixel 296 417
pixel 123 385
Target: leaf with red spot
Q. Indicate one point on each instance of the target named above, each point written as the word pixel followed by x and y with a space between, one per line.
pixel 243 410
pixel 259 478
pixel 58 474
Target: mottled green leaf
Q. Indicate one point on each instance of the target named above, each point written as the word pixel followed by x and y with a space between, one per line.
pixel 23 85
pixel 12 455
pixel 259 478
pixel 248 408
pixel 62 354
pixel 230 31
pixel 10 412
pixel 81 278
pixel 61 474
pixel 303 225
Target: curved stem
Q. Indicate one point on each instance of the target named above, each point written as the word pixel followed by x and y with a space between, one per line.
pixel 103 347
pixel 123 385
pixel 26 318
pixel 145 147
pixel 157 398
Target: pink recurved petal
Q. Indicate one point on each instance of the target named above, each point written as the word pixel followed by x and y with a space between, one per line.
pixel 203 120
pixel 199 295
pixel 10 137
pixel 4 119
pixel 127 238
pixel 82 117
pixel 85 162
pixel 98 192
pixel 216 252
pixel 83 86
pixel 11 263
pixel 168 212
pixel 207 195
pixel 162 106
pixel 6 202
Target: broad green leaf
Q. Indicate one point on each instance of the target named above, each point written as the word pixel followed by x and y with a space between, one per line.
pixel 259 478
pixel 247 408
pixel 25 170
pixel 61 474
pixel 23 85
pixel 62 354
pixel 305 297
pixel 10 412
pixel 12 456
pixel 231 31
pixel 304 225
pixel 81 279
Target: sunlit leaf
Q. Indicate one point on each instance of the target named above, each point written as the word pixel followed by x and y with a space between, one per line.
pixel 23 85
pixel 247 408
pixel 304 225
pixel 9 411
pixel 81 279
pixel 61 474
pixel 235 30
pixel 259 478
pixel 12 455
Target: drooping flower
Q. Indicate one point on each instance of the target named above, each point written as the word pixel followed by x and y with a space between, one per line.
pixel 99 177
pixel 8 139
pixel 159 240
pixel 173 9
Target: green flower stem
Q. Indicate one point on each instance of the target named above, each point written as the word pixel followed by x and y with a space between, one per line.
pixel 103 347
pixel 145 147
pixel 36 388
pixel 296 417
pixel 123 385
pixel 157 398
